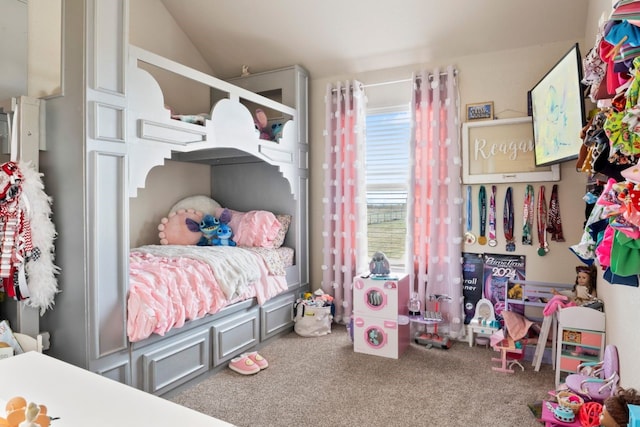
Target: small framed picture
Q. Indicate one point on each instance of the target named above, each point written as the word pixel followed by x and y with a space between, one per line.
pixel 480 111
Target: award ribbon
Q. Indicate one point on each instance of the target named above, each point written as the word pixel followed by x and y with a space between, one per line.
pixel 542 223
pixel 508 221
pixel 527 220
pixel 554 226
pixel 469 237
pixel 492 217
pixel 482 202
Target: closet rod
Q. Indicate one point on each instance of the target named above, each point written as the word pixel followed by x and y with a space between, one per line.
pixel 455 73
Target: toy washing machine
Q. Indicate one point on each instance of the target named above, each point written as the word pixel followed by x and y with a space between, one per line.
pixel 378 305
pixel 380 337
pixel 386 298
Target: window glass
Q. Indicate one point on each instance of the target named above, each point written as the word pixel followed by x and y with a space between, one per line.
pixel 387 175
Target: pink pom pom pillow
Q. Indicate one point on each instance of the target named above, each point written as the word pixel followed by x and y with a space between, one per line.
pixel 173 229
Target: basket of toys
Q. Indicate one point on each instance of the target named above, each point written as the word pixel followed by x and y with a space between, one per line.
pixel 570 400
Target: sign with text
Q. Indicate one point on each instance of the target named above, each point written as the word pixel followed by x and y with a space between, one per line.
pixel 496 151
pixel 498 270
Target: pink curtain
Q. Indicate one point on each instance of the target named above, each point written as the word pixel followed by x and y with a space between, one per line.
pixel 435 198
pixel 344 235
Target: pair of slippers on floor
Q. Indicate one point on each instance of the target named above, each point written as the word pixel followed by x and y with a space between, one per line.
pixel 248 363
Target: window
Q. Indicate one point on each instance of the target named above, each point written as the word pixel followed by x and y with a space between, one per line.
pixel 388 133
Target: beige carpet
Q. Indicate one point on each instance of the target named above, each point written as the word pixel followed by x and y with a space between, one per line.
pixel 322 382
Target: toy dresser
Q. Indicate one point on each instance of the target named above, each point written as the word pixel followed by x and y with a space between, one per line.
pixel 377 305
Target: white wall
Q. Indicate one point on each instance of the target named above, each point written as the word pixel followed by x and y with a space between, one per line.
pixel 504 78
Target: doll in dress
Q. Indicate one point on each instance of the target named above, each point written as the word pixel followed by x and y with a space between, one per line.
pixel 584 290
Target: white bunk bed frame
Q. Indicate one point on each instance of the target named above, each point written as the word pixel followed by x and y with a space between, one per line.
pixel 228 140
pixel 97 161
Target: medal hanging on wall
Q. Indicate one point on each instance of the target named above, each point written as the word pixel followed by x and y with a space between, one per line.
pixel 482 204
pixel 508 221
pixel 554 225
pixel 469 237
pixel 527 220
pixel 542 223
pixel 492 217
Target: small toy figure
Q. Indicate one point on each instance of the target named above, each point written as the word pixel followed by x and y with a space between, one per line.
pixel 379 264
pixel 615 412
pixel 584 290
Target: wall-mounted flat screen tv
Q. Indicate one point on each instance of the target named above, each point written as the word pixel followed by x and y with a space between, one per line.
pixel 557 106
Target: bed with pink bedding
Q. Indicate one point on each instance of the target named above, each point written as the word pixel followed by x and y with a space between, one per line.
pixel 172 284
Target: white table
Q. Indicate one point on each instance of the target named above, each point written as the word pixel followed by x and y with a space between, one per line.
pixel 82 398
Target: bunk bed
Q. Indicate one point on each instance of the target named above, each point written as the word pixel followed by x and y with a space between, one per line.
pixel 249 174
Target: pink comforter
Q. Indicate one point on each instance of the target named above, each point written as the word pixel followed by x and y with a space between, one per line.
pixel 164 292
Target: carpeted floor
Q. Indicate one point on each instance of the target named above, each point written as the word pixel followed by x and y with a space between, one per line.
pixel 323 382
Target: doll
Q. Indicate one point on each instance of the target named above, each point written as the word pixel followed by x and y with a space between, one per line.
pixel 615 412
pixel 584 289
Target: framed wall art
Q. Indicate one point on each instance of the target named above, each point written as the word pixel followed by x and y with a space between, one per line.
pixel 480 111
pixel 499 151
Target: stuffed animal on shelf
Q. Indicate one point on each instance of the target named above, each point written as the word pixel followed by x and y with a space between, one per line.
pixel 262 124
pixel 276 131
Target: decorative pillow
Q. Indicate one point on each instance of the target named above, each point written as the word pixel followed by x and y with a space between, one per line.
pixel 285 222
pixel 204 204
pixel 174 231
pixel 253 228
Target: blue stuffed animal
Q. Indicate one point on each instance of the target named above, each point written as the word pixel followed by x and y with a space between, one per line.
pixel 215 231
pixel 207 226
pixel 224 233
pixel 223 236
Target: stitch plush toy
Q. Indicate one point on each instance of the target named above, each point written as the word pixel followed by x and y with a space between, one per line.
pixel 223 236
pixel 207 226
pixel 224 233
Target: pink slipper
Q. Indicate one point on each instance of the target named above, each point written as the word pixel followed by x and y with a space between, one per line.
pixel 243 365
pixel 257 359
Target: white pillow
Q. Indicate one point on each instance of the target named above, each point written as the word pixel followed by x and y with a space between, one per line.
pixel 204 204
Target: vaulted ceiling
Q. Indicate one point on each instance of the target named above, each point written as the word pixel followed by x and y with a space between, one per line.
pixel 333 37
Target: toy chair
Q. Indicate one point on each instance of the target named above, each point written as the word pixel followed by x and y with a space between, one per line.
pixel 601 383
pixel 514 358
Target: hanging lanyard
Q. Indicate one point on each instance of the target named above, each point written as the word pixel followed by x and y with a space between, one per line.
pixel 527 220
pixel 542 223
pixel 469 237
pixel 482 201
pixel 555 223
pixel 508 221
pixel 492 217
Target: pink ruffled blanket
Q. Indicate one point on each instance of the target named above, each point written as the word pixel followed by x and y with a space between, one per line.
pixel 167 290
